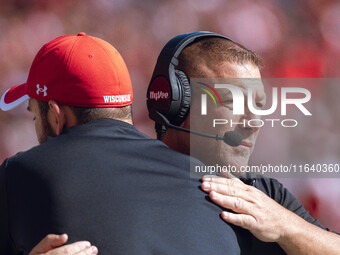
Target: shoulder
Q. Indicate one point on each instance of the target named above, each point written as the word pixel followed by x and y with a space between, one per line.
pixel 27 165
pixel 18 158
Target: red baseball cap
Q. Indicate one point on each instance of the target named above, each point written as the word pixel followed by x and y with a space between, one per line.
pixel 76 70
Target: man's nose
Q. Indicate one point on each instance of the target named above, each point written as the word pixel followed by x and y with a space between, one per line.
pixel 251 120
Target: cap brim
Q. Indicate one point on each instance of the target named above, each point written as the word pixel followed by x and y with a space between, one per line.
pixel 13 97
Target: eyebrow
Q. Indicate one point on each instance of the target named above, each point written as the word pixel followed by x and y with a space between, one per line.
pixel 225 93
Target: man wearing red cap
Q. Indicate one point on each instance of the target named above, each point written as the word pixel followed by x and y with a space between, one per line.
pixel 94 176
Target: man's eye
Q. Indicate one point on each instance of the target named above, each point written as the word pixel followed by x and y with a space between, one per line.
pixel 34 118
pixel 260 105
pixel 227 101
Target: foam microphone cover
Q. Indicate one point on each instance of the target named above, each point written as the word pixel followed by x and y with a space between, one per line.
pixel 232 138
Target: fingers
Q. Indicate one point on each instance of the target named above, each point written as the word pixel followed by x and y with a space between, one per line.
pixel 47 246
pixel 48 243
pixel 220 179
pixel 230 187
pixel 241 220
pixel 57 241
pixel 90 251
pixel 82 247
pixel 234 203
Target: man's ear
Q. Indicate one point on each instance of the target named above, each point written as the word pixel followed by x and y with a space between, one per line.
pixel 56 117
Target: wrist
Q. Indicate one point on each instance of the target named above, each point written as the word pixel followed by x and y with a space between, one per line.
pixel 293 230
pixel 290 228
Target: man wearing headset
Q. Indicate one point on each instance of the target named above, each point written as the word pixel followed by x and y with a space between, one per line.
pixel 267 210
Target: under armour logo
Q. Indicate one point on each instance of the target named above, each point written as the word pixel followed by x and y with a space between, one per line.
pixel 43 90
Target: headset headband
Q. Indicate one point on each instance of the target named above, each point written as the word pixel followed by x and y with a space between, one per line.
pixel 167 59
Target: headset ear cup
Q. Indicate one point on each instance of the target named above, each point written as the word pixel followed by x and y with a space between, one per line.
pixel 186 98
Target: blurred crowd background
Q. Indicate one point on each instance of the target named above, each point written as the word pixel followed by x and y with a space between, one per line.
pixel 295 38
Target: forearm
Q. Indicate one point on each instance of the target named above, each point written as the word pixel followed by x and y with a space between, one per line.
pixel 301 237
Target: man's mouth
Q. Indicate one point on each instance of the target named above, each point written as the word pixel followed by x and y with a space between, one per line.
pixel 247 144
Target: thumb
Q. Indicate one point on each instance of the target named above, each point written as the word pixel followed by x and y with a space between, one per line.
pixel 48 243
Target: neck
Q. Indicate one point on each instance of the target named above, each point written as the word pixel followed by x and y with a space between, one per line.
pixel 177 140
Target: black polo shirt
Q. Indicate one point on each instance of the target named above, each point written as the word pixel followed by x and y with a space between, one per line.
pixel 110 184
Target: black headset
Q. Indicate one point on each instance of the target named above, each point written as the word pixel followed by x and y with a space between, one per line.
pixel 169 91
